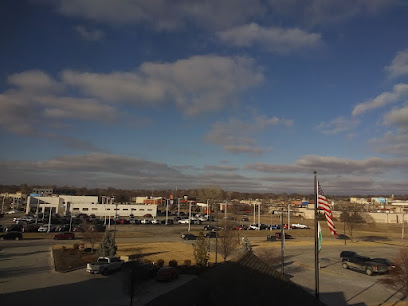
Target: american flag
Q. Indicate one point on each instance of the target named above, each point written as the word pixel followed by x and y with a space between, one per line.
pixel 322 204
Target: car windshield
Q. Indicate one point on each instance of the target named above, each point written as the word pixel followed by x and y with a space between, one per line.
pixel 103 260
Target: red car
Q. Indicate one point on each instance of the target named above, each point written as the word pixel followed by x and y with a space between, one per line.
pixel 166 274
pixel 287 236
pixel 64 236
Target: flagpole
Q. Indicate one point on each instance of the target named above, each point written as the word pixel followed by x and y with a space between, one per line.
pixel 316 237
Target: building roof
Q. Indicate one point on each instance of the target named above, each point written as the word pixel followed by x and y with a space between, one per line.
pixel 245 280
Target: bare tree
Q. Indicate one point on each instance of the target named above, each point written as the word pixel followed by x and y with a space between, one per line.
pixel 227 241
pixel 91 236
pixel 268 256
pixel 353 220
pixel 201 249
pixel 398 277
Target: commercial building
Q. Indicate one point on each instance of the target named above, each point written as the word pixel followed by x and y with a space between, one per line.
pixel 67 204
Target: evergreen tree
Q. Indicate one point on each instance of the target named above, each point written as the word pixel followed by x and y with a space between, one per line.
pixel 107 246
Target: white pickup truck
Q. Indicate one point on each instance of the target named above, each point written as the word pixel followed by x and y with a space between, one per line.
pixel 105 265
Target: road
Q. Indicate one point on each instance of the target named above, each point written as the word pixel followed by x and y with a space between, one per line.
pixel 27 277
pixel 339 286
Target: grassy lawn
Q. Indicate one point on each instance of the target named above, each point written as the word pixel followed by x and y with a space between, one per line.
pixel 69 259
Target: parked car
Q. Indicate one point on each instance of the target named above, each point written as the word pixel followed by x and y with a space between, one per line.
pixel 63 228
pixel 364 264
pixel 385 261
pixel 145 221
pixel 169 221
pixel 30 228
pixel 343 237
pixel 195 221
pixel 210 234
pixel 184 221
pixel 287 236
pixel 300 226
pixel 245 219
pixel 13 211
pixel 1 228
pixel 14 228
pixel 78 228
pixel 166 274
pixel 98 228
pixel 122 221
pixel 64 236
pixel 105 265
pixel 13 235
pixel 44 228
pixel 346 254
pixel 188 237
pixel 134 221
pixel 155 221
pixel 210 228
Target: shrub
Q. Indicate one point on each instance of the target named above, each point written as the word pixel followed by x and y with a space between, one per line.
pixel 76 246
pixel 173 263
pixel 160 262
pixel 187 262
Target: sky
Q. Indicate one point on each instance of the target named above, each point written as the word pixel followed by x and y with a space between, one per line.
pixel 248 95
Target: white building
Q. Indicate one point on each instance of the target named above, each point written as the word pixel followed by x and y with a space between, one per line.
pixel 67 204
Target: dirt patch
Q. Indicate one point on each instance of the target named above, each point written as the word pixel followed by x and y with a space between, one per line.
pixel 68 259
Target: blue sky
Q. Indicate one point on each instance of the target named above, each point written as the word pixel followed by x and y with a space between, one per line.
pixel 244 94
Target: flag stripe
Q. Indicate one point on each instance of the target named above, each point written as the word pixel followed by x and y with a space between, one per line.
pixel 322 204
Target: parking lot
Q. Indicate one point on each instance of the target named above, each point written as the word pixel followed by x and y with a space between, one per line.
pixel 26 267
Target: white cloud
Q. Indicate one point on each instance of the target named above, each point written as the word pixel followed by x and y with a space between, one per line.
pixel 238 136
pixel 220 168
pixel 197 84
pixel 273 39
pixel 34 81
pixel 89 34
pixel 392 143
pixel 324 12
pixel 108 170
pixel 337 125
pixel 398 117
pixel 164 14
pixel 329 165
pixel 399 92
pixel 399 65
pixel 243 149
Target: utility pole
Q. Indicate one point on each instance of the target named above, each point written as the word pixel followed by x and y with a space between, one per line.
pixel 282 246
pixel 216 236
pixel 167 211
pixel 289 217
pixel 403 222
pixel 189 216
pixel 316 198
pixel 2 205
pixel 116 216
pixel 36 213
pixel 49 221
pixel 259 217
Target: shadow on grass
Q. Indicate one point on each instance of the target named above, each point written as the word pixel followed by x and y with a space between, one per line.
pixel 374 238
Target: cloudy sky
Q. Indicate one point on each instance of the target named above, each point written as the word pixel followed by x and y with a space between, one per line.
pixel 250 95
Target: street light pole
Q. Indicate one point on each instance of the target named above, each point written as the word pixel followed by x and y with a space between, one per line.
pixel 288 216
pixel 49 220
pixel 116 216
pixel 189 216
pixel 167 211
